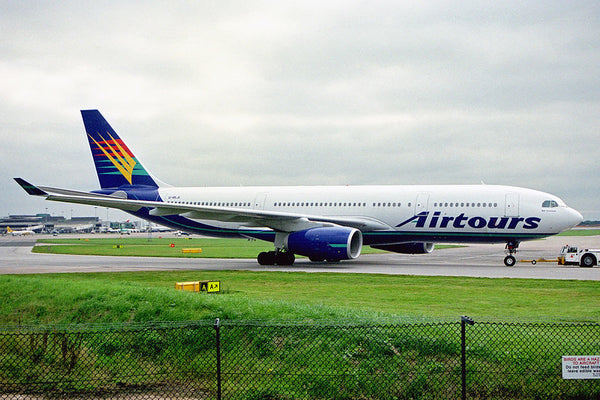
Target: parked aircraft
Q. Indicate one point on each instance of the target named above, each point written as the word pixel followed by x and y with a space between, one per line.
pixel 323 223
pixel 70 228
pixel 22 232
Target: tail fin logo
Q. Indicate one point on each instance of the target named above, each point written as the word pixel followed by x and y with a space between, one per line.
pixel 117 154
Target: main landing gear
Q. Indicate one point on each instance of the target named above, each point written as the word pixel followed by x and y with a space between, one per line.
pixel 509 250
pixel 276 257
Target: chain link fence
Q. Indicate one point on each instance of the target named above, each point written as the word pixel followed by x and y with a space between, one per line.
pixel 249 360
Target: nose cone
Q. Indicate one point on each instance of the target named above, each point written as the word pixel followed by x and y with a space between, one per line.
pixel 573 218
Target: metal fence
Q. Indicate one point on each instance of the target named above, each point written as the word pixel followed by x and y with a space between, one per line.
pixel 248 360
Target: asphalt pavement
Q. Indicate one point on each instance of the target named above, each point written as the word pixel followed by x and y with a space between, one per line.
pixel 480 260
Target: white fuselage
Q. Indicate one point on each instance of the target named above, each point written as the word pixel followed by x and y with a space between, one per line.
pixel 440 213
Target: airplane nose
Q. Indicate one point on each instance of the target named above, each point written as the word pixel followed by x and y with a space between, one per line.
pixel 575 217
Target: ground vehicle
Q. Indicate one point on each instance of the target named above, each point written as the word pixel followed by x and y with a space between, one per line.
pixel 573 255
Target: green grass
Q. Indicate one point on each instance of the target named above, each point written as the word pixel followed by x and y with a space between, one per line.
pixel 413 359
pixel 155 247
pixel 581 232
pixel 172 247
pixel 164 247
pixel 150 296
pixel 147 296
pixel 278 296
pixel 160 247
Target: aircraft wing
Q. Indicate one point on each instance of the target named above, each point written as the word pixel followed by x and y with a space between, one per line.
pixel 280 221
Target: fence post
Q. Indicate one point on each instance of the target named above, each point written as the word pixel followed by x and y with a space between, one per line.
pixel 218 345
pixel 464 320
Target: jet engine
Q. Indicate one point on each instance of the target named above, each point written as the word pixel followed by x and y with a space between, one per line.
pixel 330 243
pixel 407 248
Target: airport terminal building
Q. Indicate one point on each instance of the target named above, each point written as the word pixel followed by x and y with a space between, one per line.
pixel 46 223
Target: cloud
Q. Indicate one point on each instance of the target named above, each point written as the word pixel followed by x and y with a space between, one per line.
pixel 310 93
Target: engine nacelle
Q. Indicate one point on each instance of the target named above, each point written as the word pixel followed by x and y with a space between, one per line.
pixel 407 248
pixel 332 243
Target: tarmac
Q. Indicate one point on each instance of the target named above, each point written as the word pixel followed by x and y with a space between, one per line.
pixel 474 260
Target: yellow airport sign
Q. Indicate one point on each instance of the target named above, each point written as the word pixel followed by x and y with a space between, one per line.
pixel 199 286
pixel 210 286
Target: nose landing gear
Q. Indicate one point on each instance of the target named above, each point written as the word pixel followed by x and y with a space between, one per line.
pixel 509 250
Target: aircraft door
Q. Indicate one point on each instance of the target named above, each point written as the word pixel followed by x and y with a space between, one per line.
pixel 259 201
pixel 511 206
pixel 422 202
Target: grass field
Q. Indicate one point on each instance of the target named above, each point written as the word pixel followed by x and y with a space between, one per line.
pixel 155 247
pixel 172 247
pixel 581 232
pixel 162 247
pixel 150 296
pixel 422 354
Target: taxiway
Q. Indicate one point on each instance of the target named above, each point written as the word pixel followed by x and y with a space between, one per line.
pixel 473 261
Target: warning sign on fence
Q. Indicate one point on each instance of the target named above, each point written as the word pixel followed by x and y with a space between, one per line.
pixel 581 367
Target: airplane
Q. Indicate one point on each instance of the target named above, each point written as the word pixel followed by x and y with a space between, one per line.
pixel 23 232
pixel 323 223
pixel 62 228
pixel 158 228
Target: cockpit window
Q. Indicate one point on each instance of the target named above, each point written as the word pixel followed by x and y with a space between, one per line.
pixel 549 204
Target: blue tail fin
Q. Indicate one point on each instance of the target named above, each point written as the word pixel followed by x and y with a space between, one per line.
pixel 116 165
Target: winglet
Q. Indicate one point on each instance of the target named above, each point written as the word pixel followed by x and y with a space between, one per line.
pixel 29 188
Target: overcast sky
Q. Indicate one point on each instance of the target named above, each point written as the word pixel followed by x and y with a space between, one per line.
pixel 301 93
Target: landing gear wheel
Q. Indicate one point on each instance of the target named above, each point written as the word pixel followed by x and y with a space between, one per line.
pixel 509 250
pixel 273 257
pixel 285 258
pixel 266 258
pixel 510 261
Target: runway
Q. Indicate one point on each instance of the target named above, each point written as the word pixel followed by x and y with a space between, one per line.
pixel 484 261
